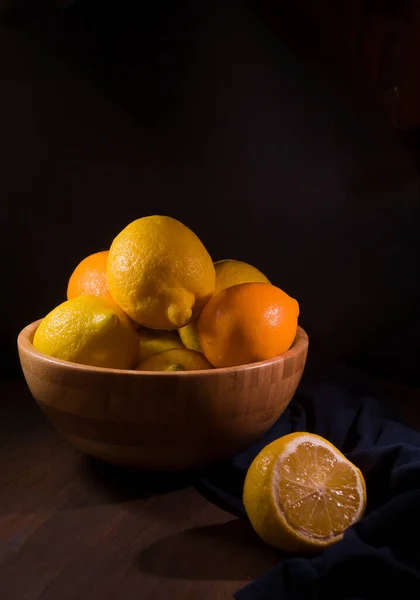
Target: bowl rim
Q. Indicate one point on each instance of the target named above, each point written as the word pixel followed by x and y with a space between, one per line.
pixel 24 342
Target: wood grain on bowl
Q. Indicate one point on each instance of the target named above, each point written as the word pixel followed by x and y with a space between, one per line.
pixel 167 421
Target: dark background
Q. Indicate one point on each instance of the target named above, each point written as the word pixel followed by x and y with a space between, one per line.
pixel 215 114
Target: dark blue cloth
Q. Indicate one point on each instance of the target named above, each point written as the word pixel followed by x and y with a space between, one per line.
pixel 380 556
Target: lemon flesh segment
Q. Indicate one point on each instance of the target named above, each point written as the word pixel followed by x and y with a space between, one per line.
pixel 318 503
pixel 301 493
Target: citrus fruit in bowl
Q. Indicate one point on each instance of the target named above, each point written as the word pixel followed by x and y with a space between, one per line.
pixel 175 359
pixel 116 374
pixel 228 272
pixel 246 323
pixel 164 420
pixel 159 272
pixel 88 330
pixel 89 278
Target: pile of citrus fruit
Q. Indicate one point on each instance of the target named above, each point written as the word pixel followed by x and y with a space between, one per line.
pixel 156 301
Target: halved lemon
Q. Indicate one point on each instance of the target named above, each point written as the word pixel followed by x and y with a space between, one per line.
pixel 301 493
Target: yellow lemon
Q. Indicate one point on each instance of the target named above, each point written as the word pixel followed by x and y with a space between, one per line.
pixel 301 493
pixel 229 272
pixel 153 342
pixel 175 360
pixel 188 335
pixel 89 330
pixel 160 273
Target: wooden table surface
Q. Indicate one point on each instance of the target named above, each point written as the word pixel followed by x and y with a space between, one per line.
pixel 72 528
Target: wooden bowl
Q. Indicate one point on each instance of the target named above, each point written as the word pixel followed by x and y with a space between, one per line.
pixel 166 421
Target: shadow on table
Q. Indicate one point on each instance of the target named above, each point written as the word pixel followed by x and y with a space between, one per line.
pixel 71 482
pixel 120 484
pixel 228 552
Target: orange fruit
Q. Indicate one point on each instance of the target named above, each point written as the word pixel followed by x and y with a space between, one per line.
pixel 176 359
pixel 247 323
pixel 301 493
pixel 229 272
pixel 89 277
